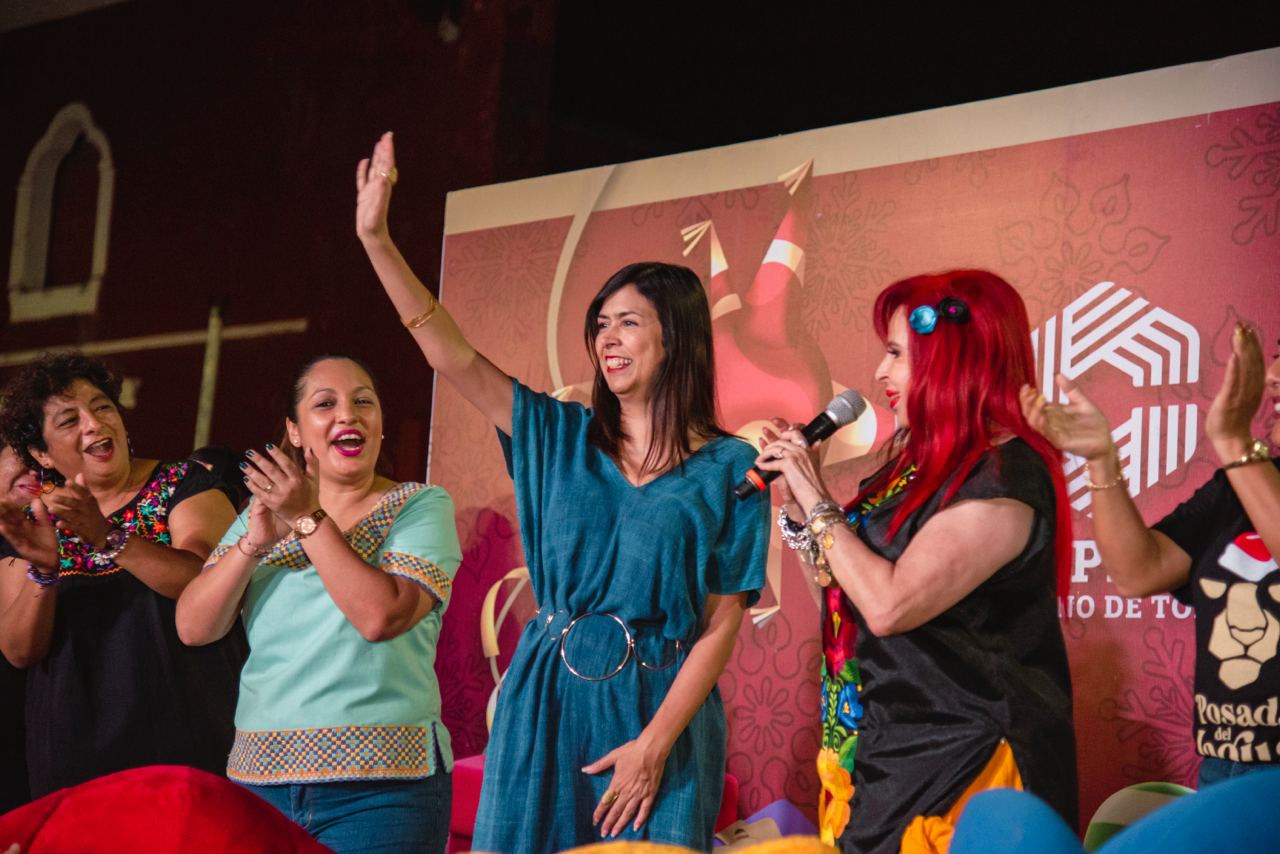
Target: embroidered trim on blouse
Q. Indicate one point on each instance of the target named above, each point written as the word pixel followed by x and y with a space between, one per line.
pixel 146 517
pixel 333 754
pixel 420 571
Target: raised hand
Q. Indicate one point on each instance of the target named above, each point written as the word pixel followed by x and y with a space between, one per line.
pixel 279 485
pixel 78 512
pixel 1227 424
pixel 375 176
pixel 35 540
pixel 1077 427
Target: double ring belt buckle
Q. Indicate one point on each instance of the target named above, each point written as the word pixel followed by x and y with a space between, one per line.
pixel 629 653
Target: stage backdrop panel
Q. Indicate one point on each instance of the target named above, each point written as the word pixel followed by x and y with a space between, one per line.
pixel 1137 216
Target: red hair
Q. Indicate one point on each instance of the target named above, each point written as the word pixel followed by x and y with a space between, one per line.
pixel 965 382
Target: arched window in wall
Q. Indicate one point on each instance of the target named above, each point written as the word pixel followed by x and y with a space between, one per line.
pixel 62 220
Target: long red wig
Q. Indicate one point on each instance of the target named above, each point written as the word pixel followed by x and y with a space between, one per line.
pixel 965 382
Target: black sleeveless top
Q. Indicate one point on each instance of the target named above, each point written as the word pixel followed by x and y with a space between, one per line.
pixel 939 698
pixel 118 689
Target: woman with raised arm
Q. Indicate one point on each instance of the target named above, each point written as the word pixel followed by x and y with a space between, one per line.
pixel 342 577
pixel 87 606
pixel 943 569
pixel 608 722
pixel 1216 551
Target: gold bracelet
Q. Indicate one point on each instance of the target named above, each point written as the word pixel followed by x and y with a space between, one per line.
pixel 1258 453
pixel 257 551
pixel 421 319
pixel 821 527
pixel 1111 484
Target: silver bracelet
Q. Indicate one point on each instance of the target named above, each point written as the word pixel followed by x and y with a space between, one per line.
pixel 795 534
pixel 823 508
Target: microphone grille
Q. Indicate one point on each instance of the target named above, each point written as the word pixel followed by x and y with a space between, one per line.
pixel 845 407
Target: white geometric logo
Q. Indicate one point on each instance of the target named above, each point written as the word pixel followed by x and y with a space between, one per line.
pixel 1111 325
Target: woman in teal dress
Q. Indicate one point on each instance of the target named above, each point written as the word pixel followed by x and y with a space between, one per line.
pixel 643 563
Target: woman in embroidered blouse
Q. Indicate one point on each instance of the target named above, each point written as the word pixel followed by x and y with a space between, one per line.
pixel 944 569
pixel 608 722
pixel 87 606
pixel 342 577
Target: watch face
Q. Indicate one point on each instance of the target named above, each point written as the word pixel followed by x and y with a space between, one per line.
pixel 115 538
pixel 306 525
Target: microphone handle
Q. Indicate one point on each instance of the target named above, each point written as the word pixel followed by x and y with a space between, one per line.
pixel 757 480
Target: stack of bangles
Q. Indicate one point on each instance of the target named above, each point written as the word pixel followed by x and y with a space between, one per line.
pixel 815 536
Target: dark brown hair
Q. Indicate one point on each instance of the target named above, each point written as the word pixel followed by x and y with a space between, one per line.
pixel 683 398
pixel 296 387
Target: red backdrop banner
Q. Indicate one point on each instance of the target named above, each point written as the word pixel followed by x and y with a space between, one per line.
pixel 1138 222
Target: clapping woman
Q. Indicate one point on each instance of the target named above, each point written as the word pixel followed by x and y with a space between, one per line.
pixel 87 606
pixel 342 576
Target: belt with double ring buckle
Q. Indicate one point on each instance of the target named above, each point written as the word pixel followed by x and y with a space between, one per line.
pixel 627 656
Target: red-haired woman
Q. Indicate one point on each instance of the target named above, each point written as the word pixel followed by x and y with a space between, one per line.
pixel 943 569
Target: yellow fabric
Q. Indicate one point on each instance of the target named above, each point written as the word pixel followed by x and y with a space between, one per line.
pixel 833 799
pixel 790 845
pixel 627 847
pixel 932 834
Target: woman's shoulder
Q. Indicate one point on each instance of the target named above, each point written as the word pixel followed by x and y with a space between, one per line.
pixel 422 497
pixel 1012 469
pixel 733 447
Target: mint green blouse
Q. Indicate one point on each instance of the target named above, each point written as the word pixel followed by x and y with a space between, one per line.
pixel 319 703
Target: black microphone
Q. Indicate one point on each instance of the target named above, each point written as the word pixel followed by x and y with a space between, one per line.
pixel 843 409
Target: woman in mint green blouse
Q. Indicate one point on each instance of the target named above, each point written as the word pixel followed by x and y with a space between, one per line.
pixel 342 577
pixel 641 560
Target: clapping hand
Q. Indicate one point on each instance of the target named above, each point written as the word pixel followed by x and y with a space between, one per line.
pixel 34 539
pixel 280 486
pixel 1227 424
pixel 78 512
pixel 1077 427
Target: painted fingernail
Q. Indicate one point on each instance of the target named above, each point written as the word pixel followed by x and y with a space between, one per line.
pixel 270 447
pixel 244 465
pixel 250 453
pixel 245 478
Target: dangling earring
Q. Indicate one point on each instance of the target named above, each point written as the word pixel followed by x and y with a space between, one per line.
pixel 128 440
pixel 47 484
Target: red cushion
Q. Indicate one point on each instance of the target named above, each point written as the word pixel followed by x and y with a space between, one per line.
pixel 728 803
pixel 159 808
pixel 468 774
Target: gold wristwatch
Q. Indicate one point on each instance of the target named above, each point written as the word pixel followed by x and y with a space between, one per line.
pixel 306 525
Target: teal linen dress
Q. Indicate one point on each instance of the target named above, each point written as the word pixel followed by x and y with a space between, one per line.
pixel 641 557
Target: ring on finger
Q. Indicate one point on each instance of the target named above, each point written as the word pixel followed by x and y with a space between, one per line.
pixel 269 487
pixel 609 797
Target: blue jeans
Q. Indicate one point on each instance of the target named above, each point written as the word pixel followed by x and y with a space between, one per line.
pixel 1214 770
pixel 373 816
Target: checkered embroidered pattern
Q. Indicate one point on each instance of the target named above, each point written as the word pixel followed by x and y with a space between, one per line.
pixel 332 754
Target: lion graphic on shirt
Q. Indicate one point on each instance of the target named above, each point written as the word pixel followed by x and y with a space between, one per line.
pixel 1245 635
